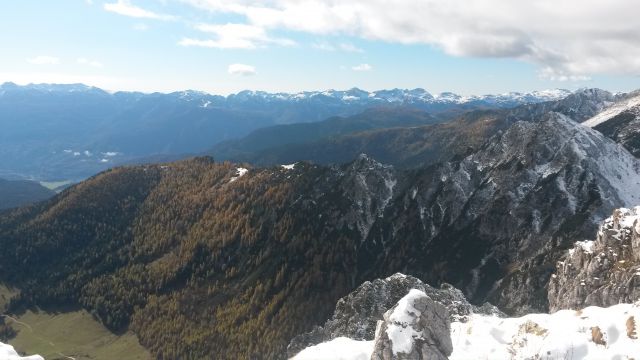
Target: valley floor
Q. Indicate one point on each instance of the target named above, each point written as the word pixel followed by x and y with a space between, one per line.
pixel 69 335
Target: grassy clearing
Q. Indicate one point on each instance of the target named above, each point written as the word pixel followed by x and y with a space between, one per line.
pixel 72 335
pixel 56 185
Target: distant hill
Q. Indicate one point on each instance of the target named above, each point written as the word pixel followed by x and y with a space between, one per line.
pixel 20 192
pixel 69 132
pixel 398 136
pixel 278 136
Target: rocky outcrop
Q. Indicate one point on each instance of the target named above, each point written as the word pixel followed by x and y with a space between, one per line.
pixel 416 328
pixel 369 186
pixel 603 272
pixel 356 315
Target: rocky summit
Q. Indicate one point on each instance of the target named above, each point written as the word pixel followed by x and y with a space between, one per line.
pixel 356 315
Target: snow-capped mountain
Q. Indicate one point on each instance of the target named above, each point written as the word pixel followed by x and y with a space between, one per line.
pixel 393 96
pixel 354 95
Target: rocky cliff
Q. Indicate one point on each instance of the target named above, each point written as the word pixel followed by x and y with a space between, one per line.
pixel 601 272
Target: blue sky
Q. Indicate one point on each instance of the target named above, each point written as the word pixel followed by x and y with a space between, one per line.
pixel 465 46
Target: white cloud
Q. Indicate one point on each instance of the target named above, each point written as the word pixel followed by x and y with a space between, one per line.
pixel 241 69
pixel 88 62
pixel 234 36
pixel 569 39
pixel 362 67
pixel 44 60
pixel 126 8
pixel 346 47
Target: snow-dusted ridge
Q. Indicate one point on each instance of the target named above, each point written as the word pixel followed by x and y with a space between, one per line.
pixel 613 111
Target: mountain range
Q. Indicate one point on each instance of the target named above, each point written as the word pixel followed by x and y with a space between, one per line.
pixel 70 132
pixel 201 256
pixel 399 136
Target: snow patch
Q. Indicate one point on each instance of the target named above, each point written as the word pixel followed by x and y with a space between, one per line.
pixel 240 172
pixel 288 167
pixel 341 348
pixel 7 352
pixel 399 329
pixel 554 336
pixel 586 246
pixel 591 334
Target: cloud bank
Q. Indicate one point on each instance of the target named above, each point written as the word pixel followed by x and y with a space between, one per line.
pixel 567 40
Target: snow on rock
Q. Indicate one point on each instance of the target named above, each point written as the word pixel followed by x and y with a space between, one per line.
pixel 356 315
pixel 613 111
pixel 602 272
pixel 7 352
pixel 289 167
pixel 341 348
pixel 617 166
pixel 586 246
pixel 240 172
pixel 416 328
pixel 591 333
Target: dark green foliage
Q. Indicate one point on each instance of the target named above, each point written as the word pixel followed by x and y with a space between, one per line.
pixel 18 193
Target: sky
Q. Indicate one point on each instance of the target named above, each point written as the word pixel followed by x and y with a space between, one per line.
pixel 225 46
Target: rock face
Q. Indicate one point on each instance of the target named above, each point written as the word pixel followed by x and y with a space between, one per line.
pixel 603 272
pixel 356 315
pixel 494 223
pixel 416 328
pixel 621 123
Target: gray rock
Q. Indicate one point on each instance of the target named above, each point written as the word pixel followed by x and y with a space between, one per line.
pixel 603 272
pixel 356 315
pixel 417 328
